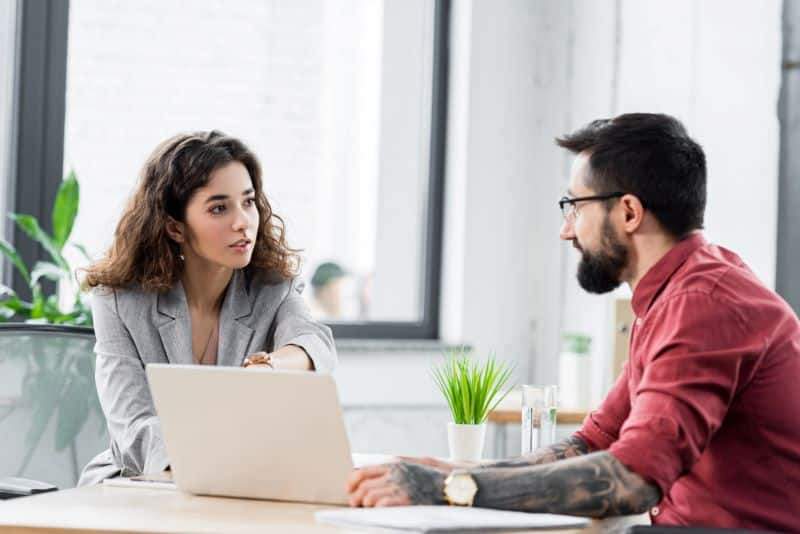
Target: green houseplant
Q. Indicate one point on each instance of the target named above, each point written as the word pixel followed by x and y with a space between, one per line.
pixel 48 308
pixel 472 389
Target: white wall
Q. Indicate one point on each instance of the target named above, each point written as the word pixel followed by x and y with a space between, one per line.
pixel 525 71
pixel 690 59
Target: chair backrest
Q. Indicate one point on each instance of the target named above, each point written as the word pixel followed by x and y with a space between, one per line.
pixel 51 423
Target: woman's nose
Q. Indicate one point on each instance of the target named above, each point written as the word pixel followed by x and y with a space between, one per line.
pixel 240 222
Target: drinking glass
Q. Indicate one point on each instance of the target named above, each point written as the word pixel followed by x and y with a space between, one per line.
pixel 539 410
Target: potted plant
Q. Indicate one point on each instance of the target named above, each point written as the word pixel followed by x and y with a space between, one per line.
pixel 574 371
pixel 48 308
pixel 472 390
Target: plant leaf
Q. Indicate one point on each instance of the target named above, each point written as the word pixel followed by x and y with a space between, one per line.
pixel 37 306
pixel 48 270
pixel 470 387
pixel 9 250
pixel 30 226
pixel 83 251
pixel 65 209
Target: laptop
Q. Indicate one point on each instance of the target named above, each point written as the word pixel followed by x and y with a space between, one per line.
pixel 252 433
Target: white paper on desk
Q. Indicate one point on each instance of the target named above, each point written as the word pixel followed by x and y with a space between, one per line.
pixel 433 519
pixel 144 483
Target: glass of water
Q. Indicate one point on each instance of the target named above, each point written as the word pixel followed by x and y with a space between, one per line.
pixel 539 410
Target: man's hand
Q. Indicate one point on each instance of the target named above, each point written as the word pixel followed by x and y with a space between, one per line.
pixel 397 484
pixel 440 465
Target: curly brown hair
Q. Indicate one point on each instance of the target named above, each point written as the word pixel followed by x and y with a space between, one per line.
pixel 143 254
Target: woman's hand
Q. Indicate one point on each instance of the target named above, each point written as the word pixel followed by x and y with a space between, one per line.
pixel 259 360
pixel 287 357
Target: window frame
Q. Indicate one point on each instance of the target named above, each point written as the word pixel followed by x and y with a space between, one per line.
pixel 40 98
pixel 38 125
pixel 787 282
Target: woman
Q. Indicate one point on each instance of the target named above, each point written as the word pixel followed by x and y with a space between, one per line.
pixel 199 272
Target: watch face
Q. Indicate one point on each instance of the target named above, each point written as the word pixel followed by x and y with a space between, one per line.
pixel 461 488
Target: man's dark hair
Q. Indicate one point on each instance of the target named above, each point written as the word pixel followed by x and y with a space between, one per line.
pixel 652 157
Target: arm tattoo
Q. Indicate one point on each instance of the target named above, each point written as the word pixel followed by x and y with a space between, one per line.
pixel 594 485
pixel 423 484
pixel 568 448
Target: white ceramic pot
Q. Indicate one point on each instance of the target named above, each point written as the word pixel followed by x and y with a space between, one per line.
pixel 466 442
pixel 574 382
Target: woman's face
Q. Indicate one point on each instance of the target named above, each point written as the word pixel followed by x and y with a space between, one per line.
pixel 222 219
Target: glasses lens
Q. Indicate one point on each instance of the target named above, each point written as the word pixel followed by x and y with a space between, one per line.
pixel 567 208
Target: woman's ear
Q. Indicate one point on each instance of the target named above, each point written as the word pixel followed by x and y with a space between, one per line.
pixel 175 230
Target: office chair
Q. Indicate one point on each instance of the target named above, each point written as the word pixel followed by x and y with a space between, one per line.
pixel 51 422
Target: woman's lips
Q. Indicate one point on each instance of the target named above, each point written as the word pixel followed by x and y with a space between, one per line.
pixel 242 246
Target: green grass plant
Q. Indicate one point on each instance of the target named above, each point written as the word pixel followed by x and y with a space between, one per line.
pixel 472 388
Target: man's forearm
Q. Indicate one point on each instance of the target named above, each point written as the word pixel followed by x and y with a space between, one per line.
pixel 594 485
pixel 568 448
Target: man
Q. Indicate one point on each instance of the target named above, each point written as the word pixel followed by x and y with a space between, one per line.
pixel 703 425
pixel 327 291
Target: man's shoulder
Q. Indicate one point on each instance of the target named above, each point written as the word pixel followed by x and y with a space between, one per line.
pixel 717 273
pixel 715 282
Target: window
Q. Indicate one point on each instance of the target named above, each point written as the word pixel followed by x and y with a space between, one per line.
pixel 343 102
pixel 8 20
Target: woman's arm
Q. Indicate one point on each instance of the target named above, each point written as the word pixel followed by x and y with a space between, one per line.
pixel 301 341
pixel 136 441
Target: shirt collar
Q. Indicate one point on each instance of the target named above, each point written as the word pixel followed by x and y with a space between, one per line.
pixel 656 278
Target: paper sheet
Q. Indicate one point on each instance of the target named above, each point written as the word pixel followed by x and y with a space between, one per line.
pixel 433 519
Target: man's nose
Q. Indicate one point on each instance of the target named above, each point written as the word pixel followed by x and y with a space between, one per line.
pixel 567 232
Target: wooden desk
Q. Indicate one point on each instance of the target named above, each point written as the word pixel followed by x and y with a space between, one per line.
pixel 94 509
pixel 113 509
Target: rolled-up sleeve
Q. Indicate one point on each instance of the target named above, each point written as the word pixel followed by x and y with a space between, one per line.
pixel 691 372
pixel 601 427
pixel 295 326
pixel 136 441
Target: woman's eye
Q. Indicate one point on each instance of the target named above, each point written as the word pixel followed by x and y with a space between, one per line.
pixel 219 208
pixel 250 202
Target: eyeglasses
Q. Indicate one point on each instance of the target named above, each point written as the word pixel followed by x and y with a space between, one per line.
pixel 569 210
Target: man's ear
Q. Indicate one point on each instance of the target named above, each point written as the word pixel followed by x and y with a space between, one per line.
pixel 633 213
pixel 175 230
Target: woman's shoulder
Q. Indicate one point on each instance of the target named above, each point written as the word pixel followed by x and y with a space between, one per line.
pixel 132 295
pixel 270 286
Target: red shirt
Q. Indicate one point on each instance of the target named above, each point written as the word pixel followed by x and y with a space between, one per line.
pixel 708 404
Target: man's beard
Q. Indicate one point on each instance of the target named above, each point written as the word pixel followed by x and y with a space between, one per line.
pixel 601 272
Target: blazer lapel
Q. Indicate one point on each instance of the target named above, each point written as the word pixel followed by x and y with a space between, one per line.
pixel 234 335
pixel 176 330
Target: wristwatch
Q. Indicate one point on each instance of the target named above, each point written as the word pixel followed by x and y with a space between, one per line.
pixel 460 488
pixel 259 360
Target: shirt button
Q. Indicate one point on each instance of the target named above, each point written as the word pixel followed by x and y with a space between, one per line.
pixel 654 511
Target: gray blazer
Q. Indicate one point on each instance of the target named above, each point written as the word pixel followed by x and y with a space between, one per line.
pixel 134 328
